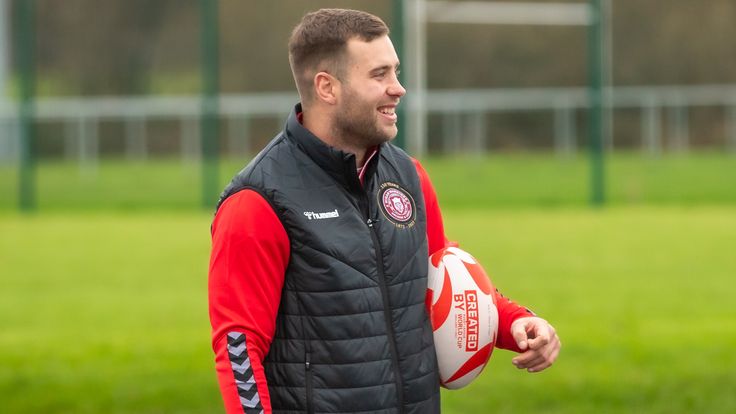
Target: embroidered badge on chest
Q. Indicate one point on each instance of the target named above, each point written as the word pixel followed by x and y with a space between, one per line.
pixel 397 205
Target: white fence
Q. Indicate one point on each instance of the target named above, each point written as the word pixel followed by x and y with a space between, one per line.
pixel 462 112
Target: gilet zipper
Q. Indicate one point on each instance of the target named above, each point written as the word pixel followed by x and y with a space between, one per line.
pixel 308 380
pixel 387 315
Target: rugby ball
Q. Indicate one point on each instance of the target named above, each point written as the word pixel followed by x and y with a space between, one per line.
pixel 461 305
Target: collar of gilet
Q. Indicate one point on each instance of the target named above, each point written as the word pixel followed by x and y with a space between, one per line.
pixel 340 165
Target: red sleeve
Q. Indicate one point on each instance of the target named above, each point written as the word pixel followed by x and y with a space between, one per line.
pixel 508 311
pixel 250 252
pixel 435 229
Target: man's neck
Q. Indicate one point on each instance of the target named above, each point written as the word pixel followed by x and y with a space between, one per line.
pixel 325 132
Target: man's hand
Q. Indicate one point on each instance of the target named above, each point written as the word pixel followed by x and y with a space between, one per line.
pixel 539 340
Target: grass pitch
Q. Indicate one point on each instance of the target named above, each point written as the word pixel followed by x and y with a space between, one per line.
pixel 107 312
pixel 498 180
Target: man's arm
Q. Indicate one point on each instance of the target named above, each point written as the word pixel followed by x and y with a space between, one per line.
pixel 250 252
pixel 519 329
pixel 435 228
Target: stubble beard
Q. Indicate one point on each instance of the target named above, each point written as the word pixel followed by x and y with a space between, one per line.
pixel 357 125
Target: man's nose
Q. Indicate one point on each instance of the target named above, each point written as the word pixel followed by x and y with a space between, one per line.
pixel 396 89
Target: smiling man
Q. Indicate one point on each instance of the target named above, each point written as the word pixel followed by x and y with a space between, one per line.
pixel 318 271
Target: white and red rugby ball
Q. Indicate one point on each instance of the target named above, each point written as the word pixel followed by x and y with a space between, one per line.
pixel 462 308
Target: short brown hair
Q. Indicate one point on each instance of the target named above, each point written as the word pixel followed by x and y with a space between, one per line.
pixel 319 42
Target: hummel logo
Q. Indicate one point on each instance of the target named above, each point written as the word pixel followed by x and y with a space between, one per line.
pixel 319 216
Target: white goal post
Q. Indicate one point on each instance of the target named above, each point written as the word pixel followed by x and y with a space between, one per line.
pixel 417 13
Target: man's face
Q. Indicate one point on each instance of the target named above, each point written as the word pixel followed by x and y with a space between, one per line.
pixel 370 92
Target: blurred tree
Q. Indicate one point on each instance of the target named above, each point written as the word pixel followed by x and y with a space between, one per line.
pixel 674 42
pixel 101 48
pixel 119 46
pixel 255 35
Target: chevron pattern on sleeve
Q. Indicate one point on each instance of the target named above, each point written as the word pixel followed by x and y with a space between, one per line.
pixel 244 380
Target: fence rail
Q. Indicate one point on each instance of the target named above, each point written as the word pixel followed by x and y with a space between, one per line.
pixel 462 112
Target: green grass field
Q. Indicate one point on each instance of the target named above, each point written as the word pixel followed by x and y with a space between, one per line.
pixel 500 180
pixel 103 292
pixel 106 312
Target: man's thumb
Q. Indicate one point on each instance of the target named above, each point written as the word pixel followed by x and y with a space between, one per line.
pixel 518 331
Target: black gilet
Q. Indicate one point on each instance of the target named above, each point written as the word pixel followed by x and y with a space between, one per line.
pixel 352 334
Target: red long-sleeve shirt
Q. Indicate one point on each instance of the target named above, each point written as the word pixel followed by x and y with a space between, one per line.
pixel 250 253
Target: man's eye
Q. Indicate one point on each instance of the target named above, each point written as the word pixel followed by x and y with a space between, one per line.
pixel 398 72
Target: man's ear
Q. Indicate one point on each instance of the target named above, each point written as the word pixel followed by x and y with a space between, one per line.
pixel 326 87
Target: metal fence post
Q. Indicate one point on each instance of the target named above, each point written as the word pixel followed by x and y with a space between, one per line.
pixel 678 128
pixel 4 49
pixel 595 103
pixel 651 128
pixel 25 51
pixel 564 121
pixel 209 122
pixel 136 147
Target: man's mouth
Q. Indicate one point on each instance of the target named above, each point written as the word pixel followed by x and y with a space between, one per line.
pixel 389 111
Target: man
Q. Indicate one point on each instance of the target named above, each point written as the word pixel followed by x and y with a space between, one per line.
pixel 320 245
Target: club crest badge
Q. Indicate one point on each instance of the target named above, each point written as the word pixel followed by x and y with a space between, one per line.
pixel 397 205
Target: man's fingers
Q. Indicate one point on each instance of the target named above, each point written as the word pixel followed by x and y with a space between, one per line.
pixel 538 342
pixel 519 333
pixel 524 360
pixel 518 330
pixel 547 361
pixel 535 359
pixel 540 367
pixel 544 357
